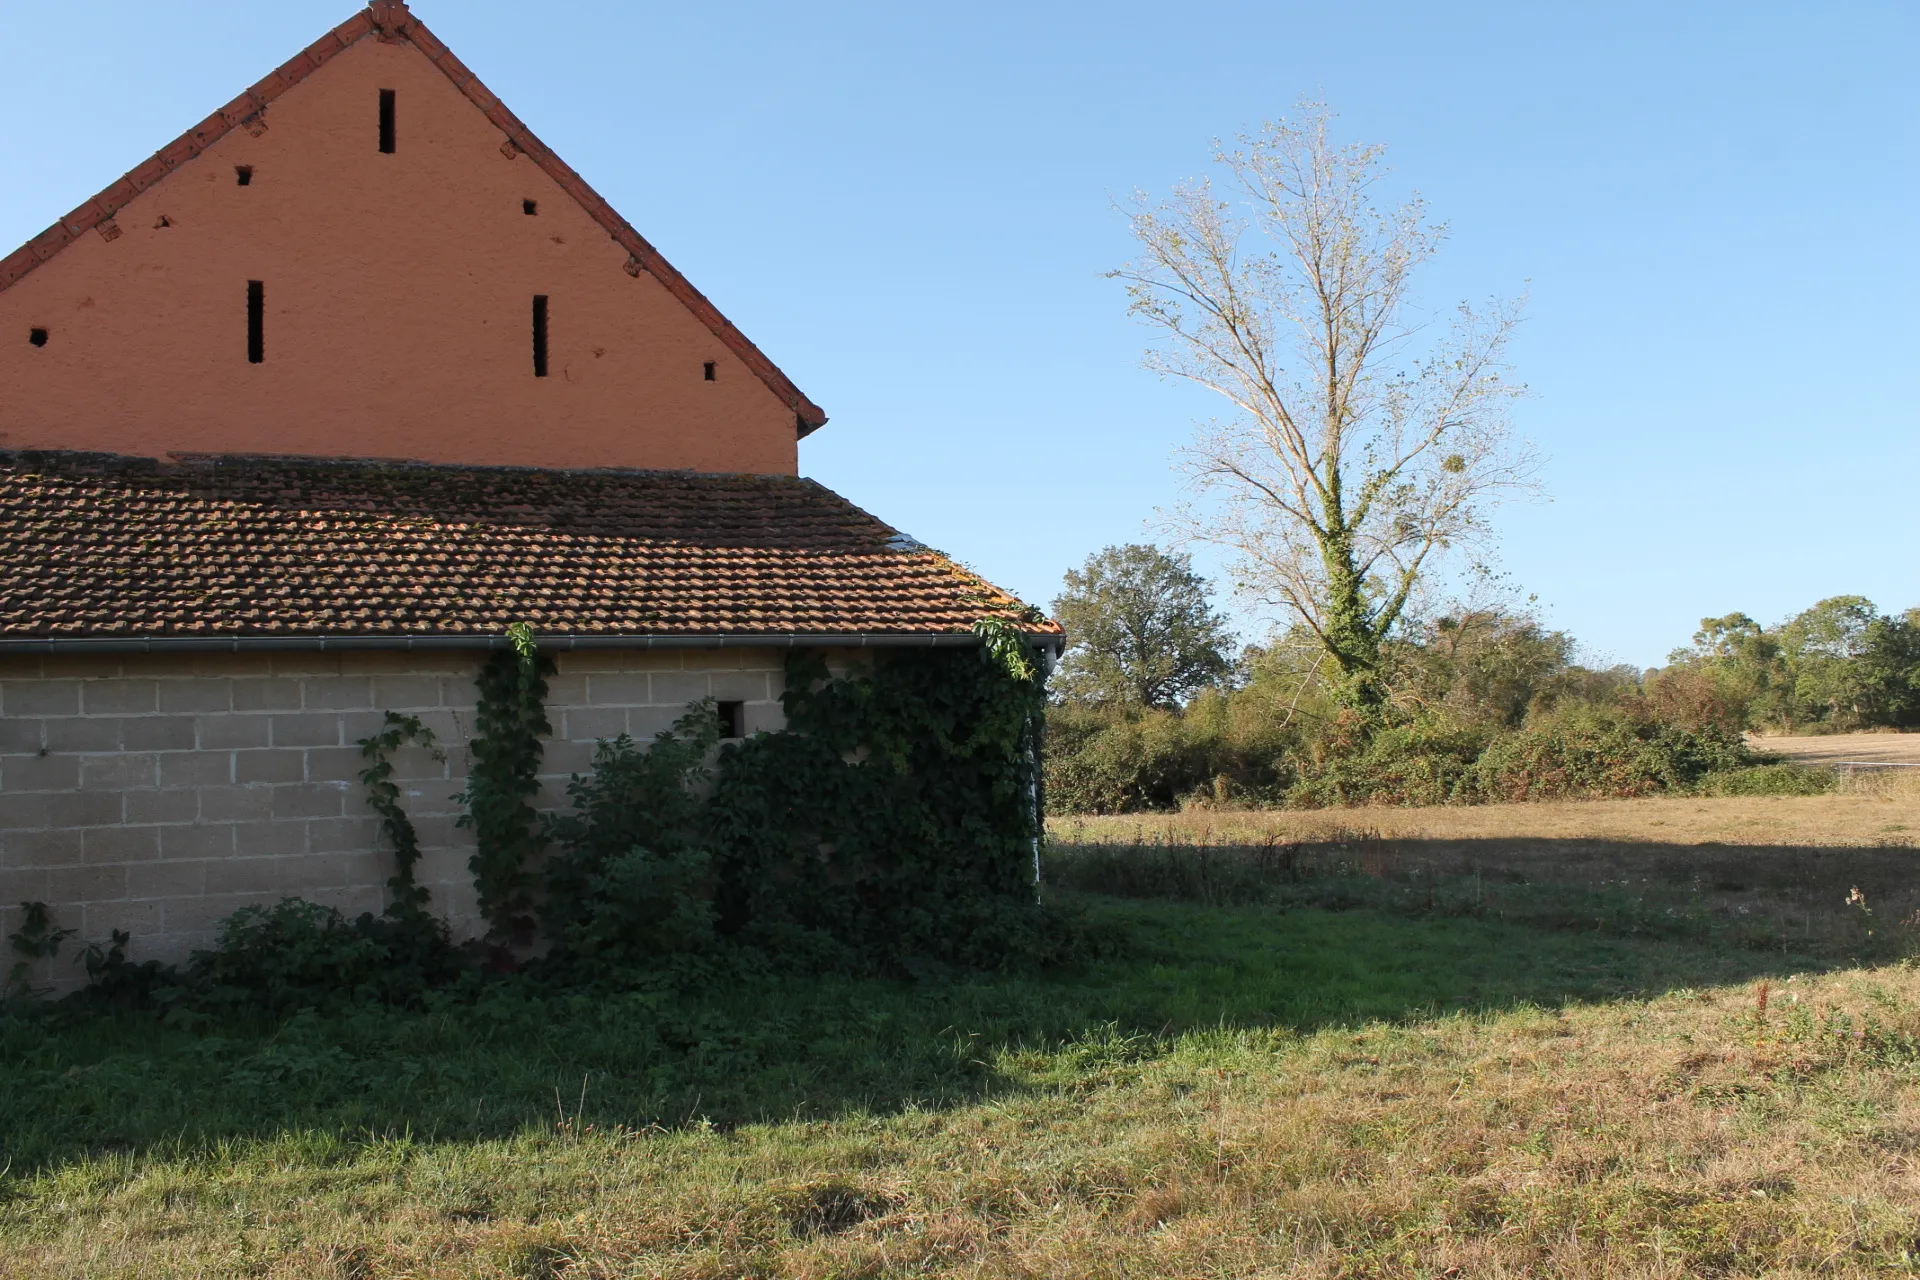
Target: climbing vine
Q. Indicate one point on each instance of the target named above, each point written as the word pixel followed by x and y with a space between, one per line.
pixel 383 796
pixel 507 747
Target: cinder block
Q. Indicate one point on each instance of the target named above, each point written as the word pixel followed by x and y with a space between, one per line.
pixel 306 664
pixel 40 773
pixel 166 879
pixel 25 884
pixel 336 693
pixel 157 733
pixel 177 666
pixel 743 686
pixel 307 729
pixel 98 920
pixel 87 808
pixel 196 694
pixel 417 764
pixel 74 666
pixel 24 811
pixel 120 844
pixel 307 800
pixel 269 766
pixel 40 697
pixel 232 666
pixel 86 884
pixel 677 690
pixel 565 757
pixel 567 691
pixel 591 661
pixel 409 692
pixel 620 689
pixel 196 840
pixel 233 731
pixel 592 723
pixel 122 697
pixel 335 764
pixel 236 803
pixel 344 834
pixel 459 691
pixel 117 771
pixel 271 839
pixel 181 805
pixel 247 875
pixel 196 768
pixel 52 847
pixel 21 737
pixel 357 726
pixel 764 717
pixel 270 694
pixel 81 733
pixel 646 723
pixel 314 872
pixel 202 913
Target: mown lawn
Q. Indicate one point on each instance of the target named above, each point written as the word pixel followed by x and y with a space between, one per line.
pixel 1348 1075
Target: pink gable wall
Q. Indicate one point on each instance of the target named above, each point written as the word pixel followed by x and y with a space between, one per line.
pixel 398 307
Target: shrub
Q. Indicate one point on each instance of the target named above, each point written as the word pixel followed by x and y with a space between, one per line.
pixel 1769 780
pixel 1426 762
pixel 297 953
pixel 1601 753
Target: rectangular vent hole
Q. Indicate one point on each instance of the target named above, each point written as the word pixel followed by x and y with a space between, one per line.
pixel 243 174
pixel 530 207
pixel 256 322
pixel 386 121
pixel 38 337
pixel 733 719
pixel 707 371
pixel 539 335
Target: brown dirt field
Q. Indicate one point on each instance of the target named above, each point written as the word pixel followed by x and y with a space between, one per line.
pixel 1837 748
pixel 1874 811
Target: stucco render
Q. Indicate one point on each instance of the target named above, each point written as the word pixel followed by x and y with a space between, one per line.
pixel 398 297
pixel 160 794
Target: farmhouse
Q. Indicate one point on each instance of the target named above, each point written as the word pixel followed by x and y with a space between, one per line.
pixel 299 417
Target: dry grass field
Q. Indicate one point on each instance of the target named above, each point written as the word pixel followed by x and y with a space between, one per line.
pixel 1868 811
pixel 1864 748
pixel 1662 1038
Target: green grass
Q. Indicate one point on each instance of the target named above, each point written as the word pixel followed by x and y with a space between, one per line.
pixel 730 1051
pixel 1289 1071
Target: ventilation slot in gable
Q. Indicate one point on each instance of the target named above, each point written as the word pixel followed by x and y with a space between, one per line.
pixel 243 174
pixel 386 121
pixel 707 371
pixel 539 335
pixel 530 207
pixel 256 322
pixel 37 336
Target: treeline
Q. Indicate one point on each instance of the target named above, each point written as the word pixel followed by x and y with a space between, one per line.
pixel 1155 708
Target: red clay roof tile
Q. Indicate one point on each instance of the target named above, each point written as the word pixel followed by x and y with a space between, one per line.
pixel 103 545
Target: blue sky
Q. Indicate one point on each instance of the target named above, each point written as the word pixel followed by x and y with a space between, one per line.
pixel 909 207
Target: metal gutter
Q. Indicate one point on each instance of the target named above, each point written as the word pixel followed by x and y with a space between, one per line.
pixel 411 644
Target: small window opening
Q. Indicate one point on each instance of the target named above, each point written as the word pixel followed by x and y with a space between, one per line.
pixel 256 322
pixel 530 207
pixel 706 371
pixel 243 174
pixel 539 335
pixel 386 121
pixel 733 719
pixel 38 337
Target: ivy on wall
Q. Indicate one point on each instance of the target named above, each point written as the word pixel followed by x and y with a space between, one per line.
pixel 507 747
pixel 383 797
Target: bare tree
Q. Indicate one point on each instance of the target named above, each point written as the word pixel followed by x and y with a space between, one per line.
pixel 1365 442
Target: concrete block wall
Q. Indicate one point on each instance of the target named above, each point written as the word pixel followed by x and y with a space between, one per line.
pixel 158 794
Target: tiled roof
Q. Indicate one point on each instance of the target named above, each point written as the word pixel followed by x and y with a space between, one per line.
pixel 98 545
pixel 390 20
